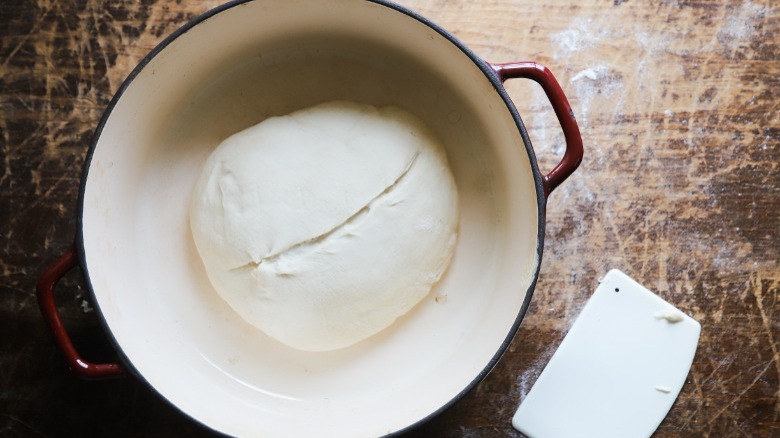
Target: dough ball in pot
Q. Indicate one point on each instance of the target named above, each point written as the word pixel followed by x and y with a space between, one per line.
pixel 324 226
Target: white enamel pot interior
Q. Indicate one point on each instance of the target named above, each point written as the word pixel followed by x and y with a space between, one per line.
pixel 230 69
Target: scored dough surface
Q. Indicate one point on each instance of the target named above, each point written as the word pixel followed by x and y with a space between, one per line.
pixel 324 226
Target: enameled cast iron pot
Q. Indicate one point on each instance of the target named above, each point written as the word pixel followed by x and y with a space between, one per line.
pixel 231 68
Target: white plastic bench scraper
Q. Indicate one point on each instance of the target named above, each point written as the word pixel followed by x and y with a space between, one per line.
pixel 618 370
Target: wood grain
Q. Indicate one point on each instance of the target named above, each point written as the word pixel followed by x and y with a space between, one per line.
pixel 679 188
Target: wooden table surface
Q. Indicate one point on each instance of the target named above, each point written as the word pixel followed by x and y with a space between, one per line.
pixel 680 188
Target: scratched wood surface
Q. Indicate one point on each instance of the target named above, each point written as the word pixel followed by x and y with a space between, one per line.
pixel 680 188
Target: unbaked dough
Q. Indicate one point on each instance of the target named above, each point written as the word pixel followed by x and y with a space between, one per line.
pixel 670 315
pixel 324 226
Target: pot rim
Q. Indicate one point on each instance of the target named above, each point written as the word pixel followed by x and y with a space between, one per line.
pixel 487 70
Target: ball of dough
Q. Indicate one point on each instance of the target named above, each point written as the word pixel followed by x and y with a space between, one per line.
pixel 324 226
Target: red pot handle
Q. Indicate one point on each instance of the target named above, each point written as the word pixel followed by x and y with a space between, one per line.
pixel 46 284
pixel 571 132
